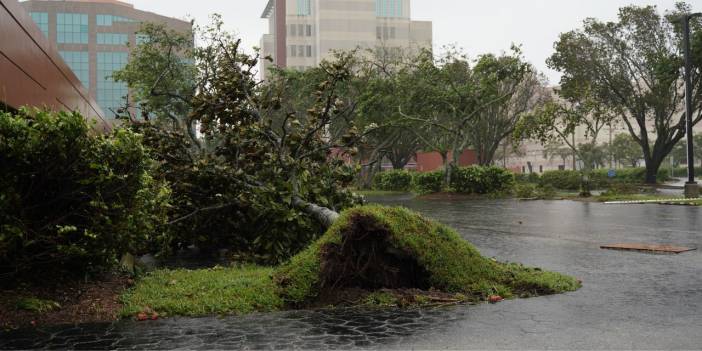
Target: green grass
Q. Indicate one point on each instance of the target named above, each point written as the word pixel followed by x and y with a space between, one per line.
pixel 236 290
pixel 453 264
pixel 36 305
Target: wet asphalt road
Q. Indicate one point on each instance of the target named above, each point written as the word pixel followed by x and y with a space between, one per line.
pixel 629 300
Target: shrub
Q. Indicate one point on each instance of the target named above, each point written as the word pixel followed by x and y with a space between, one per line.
pixel 525 190
pixel 70 200
pixel 481 180
pixel 394 180
pixel 527 178
pixel 429 182
pixel 562 179
pixel 628 175
pixel 434 255
pixel 681 172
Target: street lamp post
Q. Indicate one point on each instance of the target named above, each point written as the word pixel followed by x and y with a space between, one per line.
pixel 691 188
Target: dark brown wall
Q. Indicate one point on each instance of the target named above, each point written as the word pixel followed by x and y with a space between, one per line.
pixel 32 72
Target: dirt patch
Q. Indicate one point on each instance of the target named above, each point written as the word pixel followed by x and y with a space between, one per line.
pixel 365 259
pixel 78 302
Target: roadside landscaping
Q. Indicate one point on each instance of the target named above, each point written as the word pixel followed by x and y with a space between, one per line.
pixel 371 255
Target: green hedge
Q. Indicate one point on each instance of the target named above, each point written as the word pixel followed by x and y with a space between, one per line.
pixel 481 180
pixel 72 201
pixel 570 180
pixel 429 182
pixel 681 172
pixel 466 180
pixel 564 180
pixel 394 180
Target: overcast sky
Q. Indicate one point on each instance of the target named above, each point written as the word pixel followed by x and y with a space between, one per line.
pixel 478 26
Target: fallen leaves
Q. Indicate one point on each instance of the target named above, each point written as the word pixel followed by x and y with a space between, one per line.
pixel 495 298
pixel 147 314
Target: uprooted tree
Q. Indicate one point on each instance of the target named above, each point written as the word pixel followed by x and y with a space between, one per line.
pixel 371 247
pixel 270 177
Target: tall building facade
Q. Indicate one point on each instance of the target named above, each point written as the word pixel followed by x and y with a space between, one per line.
pixel 32 72
pixel 304 32
pixel 94 37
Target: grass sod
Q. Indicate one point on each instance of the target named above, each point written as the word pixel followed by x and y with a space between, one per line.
pixel 449 263
pixel 452 264
pixel 214 291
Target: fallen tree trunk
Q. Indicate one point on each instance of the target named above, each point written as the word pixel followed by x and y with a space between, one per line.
pixel 325 216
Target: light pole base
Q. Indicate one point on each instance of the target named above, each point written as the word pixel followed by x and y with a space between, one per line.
pixel 692 190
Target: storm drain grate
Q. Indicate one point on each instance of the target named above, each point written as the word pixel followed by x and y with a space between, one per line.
pixel 647 248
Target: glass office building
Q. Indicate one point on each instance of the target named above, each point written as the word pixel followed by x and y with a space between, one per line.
pixel 94 39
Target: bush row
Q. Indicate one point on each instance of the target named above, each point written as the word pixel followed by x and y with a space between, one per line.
pixel 73 199
pixel 466 180
pixel 571 180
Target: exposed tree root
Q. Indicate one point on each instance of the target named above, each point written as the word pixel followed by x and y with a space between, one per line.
pixel 365 259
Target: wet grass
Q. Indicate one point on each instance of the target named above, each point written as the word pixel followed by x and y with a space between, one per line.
pixel 453 265
pixel 214 291
pixel 454 268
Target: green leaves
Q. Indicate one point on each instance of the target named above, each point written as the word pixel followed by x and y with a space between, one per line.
pixel 73 201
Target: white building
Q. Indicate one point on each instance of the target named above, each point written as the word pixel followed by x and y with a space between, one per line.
pixel 304 32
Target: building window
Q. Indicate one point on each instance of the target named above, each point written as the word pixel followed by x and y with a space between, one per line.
pixel 112 39
pixel 42 21
pixel 293 30
pixel 110 94
pixel 388 8
pixel 309 30
pixel 293 51
pixel 304 8
pixel 309 50
pixel 301 29
pixel 108 20
pixel 72 28
pixel 301 50
pixel 392 32
pixel 79 63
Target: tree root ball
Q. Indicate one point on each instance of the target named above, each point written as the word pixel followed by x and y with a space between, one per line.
pixel 375 247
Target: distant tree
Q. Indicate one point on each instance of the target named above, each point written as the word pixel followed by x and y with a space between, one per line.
pixel 626 150
pixel 441 98
pixel 633 66
pixel 557 149
pixel 557 122
pixel 516 89
pixel 679 154
pixel 592 155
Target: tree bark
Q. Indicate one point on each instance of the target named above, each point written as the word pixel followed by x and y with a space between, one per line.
pixel 323 215
pixel 447 169
pixel 652 167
